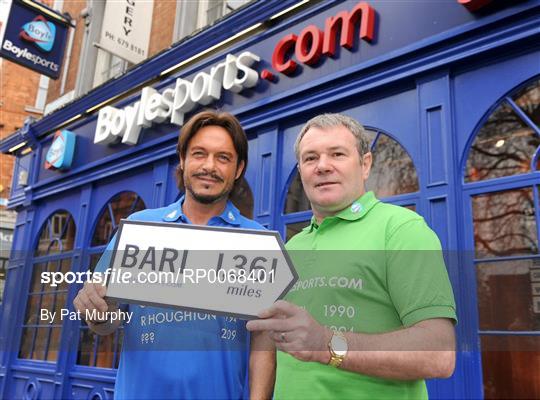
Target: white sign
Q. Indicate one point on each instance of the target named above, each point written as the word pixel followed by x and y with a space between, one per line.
pixel 125 124
pixel 126 28
pixel 236 272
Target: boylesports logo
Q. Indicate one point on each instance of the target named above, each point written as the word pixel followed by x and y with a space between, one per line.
pixel 28 55
pixel 40 32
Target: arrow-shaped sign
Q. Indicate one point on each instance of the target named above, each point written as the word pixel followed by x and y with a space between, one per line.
pixel 236 272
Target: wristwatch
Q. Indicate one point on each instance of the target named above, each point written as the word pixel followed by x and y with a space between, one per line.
pixel 338 349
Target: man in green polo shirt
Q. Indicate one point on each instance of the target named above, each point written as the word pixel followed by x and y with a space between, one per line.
pixel 372 314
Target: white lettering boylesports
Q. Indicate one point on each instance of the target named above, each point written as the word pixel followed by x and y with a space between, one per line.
pixel 24 53
pixel 125 124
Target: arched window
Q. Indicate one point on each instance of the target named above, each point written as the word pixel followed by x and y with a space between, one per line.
pixel 53 253
pixel 503 190
pixel 508 141
pixel 392 174
pixel 95 350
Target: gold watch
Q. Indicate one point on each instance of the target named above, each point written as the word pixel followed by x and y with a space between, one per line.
pixel 338 347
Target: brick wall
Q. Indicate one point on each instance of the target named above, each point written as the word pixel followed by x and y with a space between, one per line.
pixel 18 89
pixel 162 26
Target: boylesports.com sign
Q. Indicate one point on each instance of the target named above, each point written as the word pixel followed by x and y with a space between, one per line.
pixel 34 39
pixel 234 73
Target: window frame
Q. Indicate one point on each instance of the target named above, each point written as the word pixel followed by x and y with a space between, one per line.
pixel 57 256
pixel 530 179
pixel 91 251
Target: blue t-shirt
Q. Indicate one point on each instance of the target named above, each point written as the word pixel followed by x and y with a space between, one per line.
pixel 170 353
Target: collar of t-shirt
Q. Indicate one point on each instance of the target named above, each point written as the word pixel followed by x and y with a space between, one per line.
pixel 229 216
pixel 358 209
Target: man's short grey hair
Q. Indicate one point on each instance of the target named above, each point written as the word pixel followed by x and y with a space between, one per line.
pixel 325 121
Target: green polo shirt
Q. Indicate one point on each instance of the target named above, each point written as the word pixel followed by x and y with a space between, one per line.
pixel 371 268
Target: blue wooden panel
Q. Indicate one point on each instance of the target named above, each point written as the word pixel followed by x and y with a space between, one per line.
pixel 265 165
pixel 31 385
pixel 90 389
pixel 161 169
pixel 435 125
pixel 253 153
pixel 436 146
pixel 438 219
pixel 265 190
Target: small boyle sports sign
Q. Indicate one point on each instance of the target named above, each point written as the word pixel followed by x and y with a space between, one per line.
pixel 35 38
pixel 235 272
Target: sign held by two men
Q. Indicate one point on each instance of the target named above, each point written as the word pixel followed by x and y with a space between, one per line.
pixel 236 272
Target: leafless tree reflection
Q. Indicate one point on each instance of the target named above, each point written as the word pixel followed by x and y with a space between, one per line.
pixel 120 206
pixel 528 100
pixel 505 144
pixel 504 223
pixel 296 198
pixel 242 198
pixel 57 234
pixel 393 171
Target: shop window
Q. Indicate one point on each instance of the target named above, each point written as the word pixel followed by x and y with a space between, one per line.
pixel 191 16
pixel 507 259
pixel 508 290
pixel 95 350
pixel 57 236
pixel 505 223
pixel 507 294
pixel 528 100
pixel 242 198
pixel 108 66
pixel 296 197
pixel 294 228
pixel 508 140
pixel 511 366
pixel 40 339
pixel 121 206
pixel 393 171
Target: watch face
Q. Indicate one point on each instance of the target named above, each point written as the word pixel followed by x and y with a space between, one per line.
pixel 339 345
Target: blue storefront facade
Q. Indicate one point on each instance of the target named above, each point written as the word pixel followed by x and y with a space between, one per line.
pixel 450 97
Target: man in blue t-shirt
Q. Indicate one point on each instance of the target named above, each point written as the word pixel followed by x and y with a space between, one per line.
pixel 170 353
